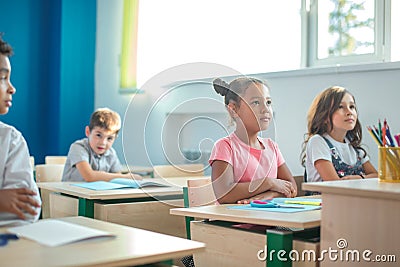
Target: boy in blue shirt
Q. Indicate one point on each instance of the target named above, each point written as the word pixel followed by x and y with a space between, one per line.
pixel 93 158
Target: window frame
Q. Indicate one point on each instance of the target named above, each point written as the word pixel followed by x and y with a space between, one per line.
pixel 310 35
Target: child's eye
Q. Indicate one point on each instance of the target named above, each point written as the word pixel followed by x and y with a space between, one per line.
pixel 98 135
pixel 269 102
pixel 256 102
pixel 353 106
pixel 110 139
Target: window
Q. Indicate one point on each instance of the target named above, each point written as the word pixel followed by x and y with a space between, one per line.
pixel 247 36
pixel 395 31
pixel 349 31
pixel 255 36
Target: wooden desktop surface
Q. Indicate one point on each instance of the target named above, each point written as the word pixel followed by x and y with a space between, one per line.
pixel 175 188
pixel 130 247
pixel 371 188
pixel 304 219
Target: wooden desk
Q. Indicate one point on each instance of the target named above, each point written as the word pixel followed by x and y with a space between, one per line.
pixel 307 219
pixel 175 188
pixel 364 214
pixel 130 247
pixel 146 208
pixel 229 247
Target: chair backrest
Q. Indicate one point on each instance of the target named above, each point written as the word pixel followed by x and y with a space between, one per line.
pixel 178 170
pixel 55 159
pixel 299 181
pixel 200 192
pixel 32 160
pixel 49 172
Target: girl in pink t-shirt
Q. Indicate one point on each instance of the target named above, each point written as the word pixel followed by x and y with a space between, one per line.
pixel 245 166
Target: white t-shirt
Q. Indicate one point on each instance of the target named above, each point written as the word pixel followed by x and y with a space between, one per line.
pixel 15 169
pixel 317 149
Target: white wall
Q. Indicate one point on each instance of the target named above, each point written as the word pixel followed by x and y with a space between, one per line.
pixel 376 92
pixel 375 88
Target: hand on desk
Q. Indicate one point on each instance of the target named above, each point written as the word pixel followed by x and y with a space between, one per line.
pixel 136 176
pixel 279 188
pixel 265 195
pixel 284 187
pixel 18 201
pixel 131 176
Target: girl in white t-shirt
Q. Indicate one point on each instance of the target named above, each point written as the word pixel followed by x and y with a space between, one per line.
pixel 332 148
pixel 245 166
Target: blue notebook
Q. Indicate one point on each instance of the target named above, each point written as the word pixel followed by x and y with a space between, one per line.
pixel 118 183
pixel 284 210
pixel 283 201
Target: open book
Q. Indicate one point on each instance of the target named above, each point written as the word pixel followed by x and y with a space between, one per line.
pixel 118 183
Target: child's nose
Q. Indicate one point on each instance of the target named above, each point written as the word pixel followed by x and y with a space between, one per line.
pixel 348 111
pixel 266 108
pixel 11 89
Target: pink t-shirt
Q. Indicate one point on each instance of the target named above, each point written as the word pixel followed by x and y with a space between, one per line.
pixel 248 163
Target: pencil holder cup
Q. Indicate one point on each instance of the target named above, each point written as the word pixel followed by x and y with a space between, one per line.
pixel 389 164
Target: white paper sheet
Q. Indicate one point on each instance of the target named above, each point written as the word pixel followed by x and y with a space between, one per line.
pixel 53 233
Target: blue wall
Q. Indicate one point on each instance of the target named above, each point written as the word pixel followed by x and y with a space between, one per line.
pixel 52 70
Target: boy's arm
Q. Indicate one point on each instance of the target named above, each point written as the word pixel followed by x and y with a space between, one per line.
pixel 19 201
pixel 18 184
pixel 91 175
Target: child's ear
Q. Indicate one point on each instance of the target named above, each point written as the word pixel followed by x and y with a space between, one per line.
pixel 87 131
pixel 232 110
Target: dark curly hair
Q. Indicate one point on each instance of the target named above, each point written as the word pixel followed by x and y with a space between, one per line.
pixel 5 48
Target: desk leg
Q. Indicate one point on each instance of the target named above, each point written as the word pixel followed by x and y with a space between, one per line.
pixel 186 204
pixel 86 208
pixel 279 244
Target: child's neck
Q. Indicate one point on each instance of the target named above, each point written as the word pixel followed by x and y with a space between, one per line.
pixel 248 138
pixel 338 135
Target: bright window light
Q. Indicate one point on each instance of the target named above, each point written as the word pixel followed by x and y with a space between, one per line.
pixel 129 44
pixel 248 36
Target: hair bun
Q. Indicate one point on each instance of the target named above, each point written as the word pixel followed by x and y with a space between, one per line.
pixel 221 87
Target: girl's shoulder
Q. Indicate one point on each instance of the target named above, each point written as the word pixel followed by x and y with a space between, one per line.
pixel 317 142
pixel 226 139
pixel 316 139
pixel 223 142
pixel 267 140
